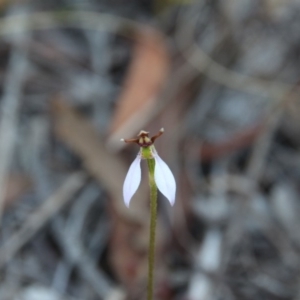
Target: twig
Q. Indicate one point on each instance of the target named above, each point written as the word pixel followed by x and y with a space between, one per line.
pixel 73 229
pixel 41 216
pixel 68 235
pixel 262 146
pixel 17 67
pixel 57 19
pixel 197 58
pixel 76 254
pixel 258 160
pixel 208 259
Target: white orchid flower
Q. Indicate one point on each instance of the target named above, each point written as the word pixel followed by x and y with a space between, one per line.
pixel 163 176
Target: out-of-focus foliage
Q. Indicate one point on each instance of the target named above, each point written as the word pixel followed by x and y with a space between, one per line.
pixel 221 77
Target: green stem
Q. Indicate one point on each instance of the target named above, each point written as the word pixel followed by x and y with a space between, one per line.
pixel 153 217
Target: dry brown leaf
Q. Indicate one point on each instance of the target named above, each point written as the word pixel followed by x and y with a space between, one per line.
pixel 243 139
pixel 146 76
pixel 17 184
pixel 80 135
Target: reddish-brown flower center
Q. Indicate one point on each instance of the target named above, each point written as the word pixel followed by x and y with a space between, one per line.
pixel 143 139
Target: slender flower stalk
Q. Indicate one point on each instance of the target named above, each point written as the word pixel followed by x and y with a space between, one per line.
pixel 153 218
pixel 161 177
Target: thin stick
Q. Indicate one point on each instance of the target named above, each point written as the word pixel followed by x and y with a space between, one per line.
pixel 10 103
pixel 41 216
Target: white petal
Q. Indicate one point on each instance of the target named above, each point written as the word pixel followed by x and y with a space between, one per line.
pixel 164 179
pixel 132 180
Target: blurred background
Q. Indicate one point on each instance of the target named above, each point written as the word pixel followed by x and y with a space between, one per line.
pixel 221 77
